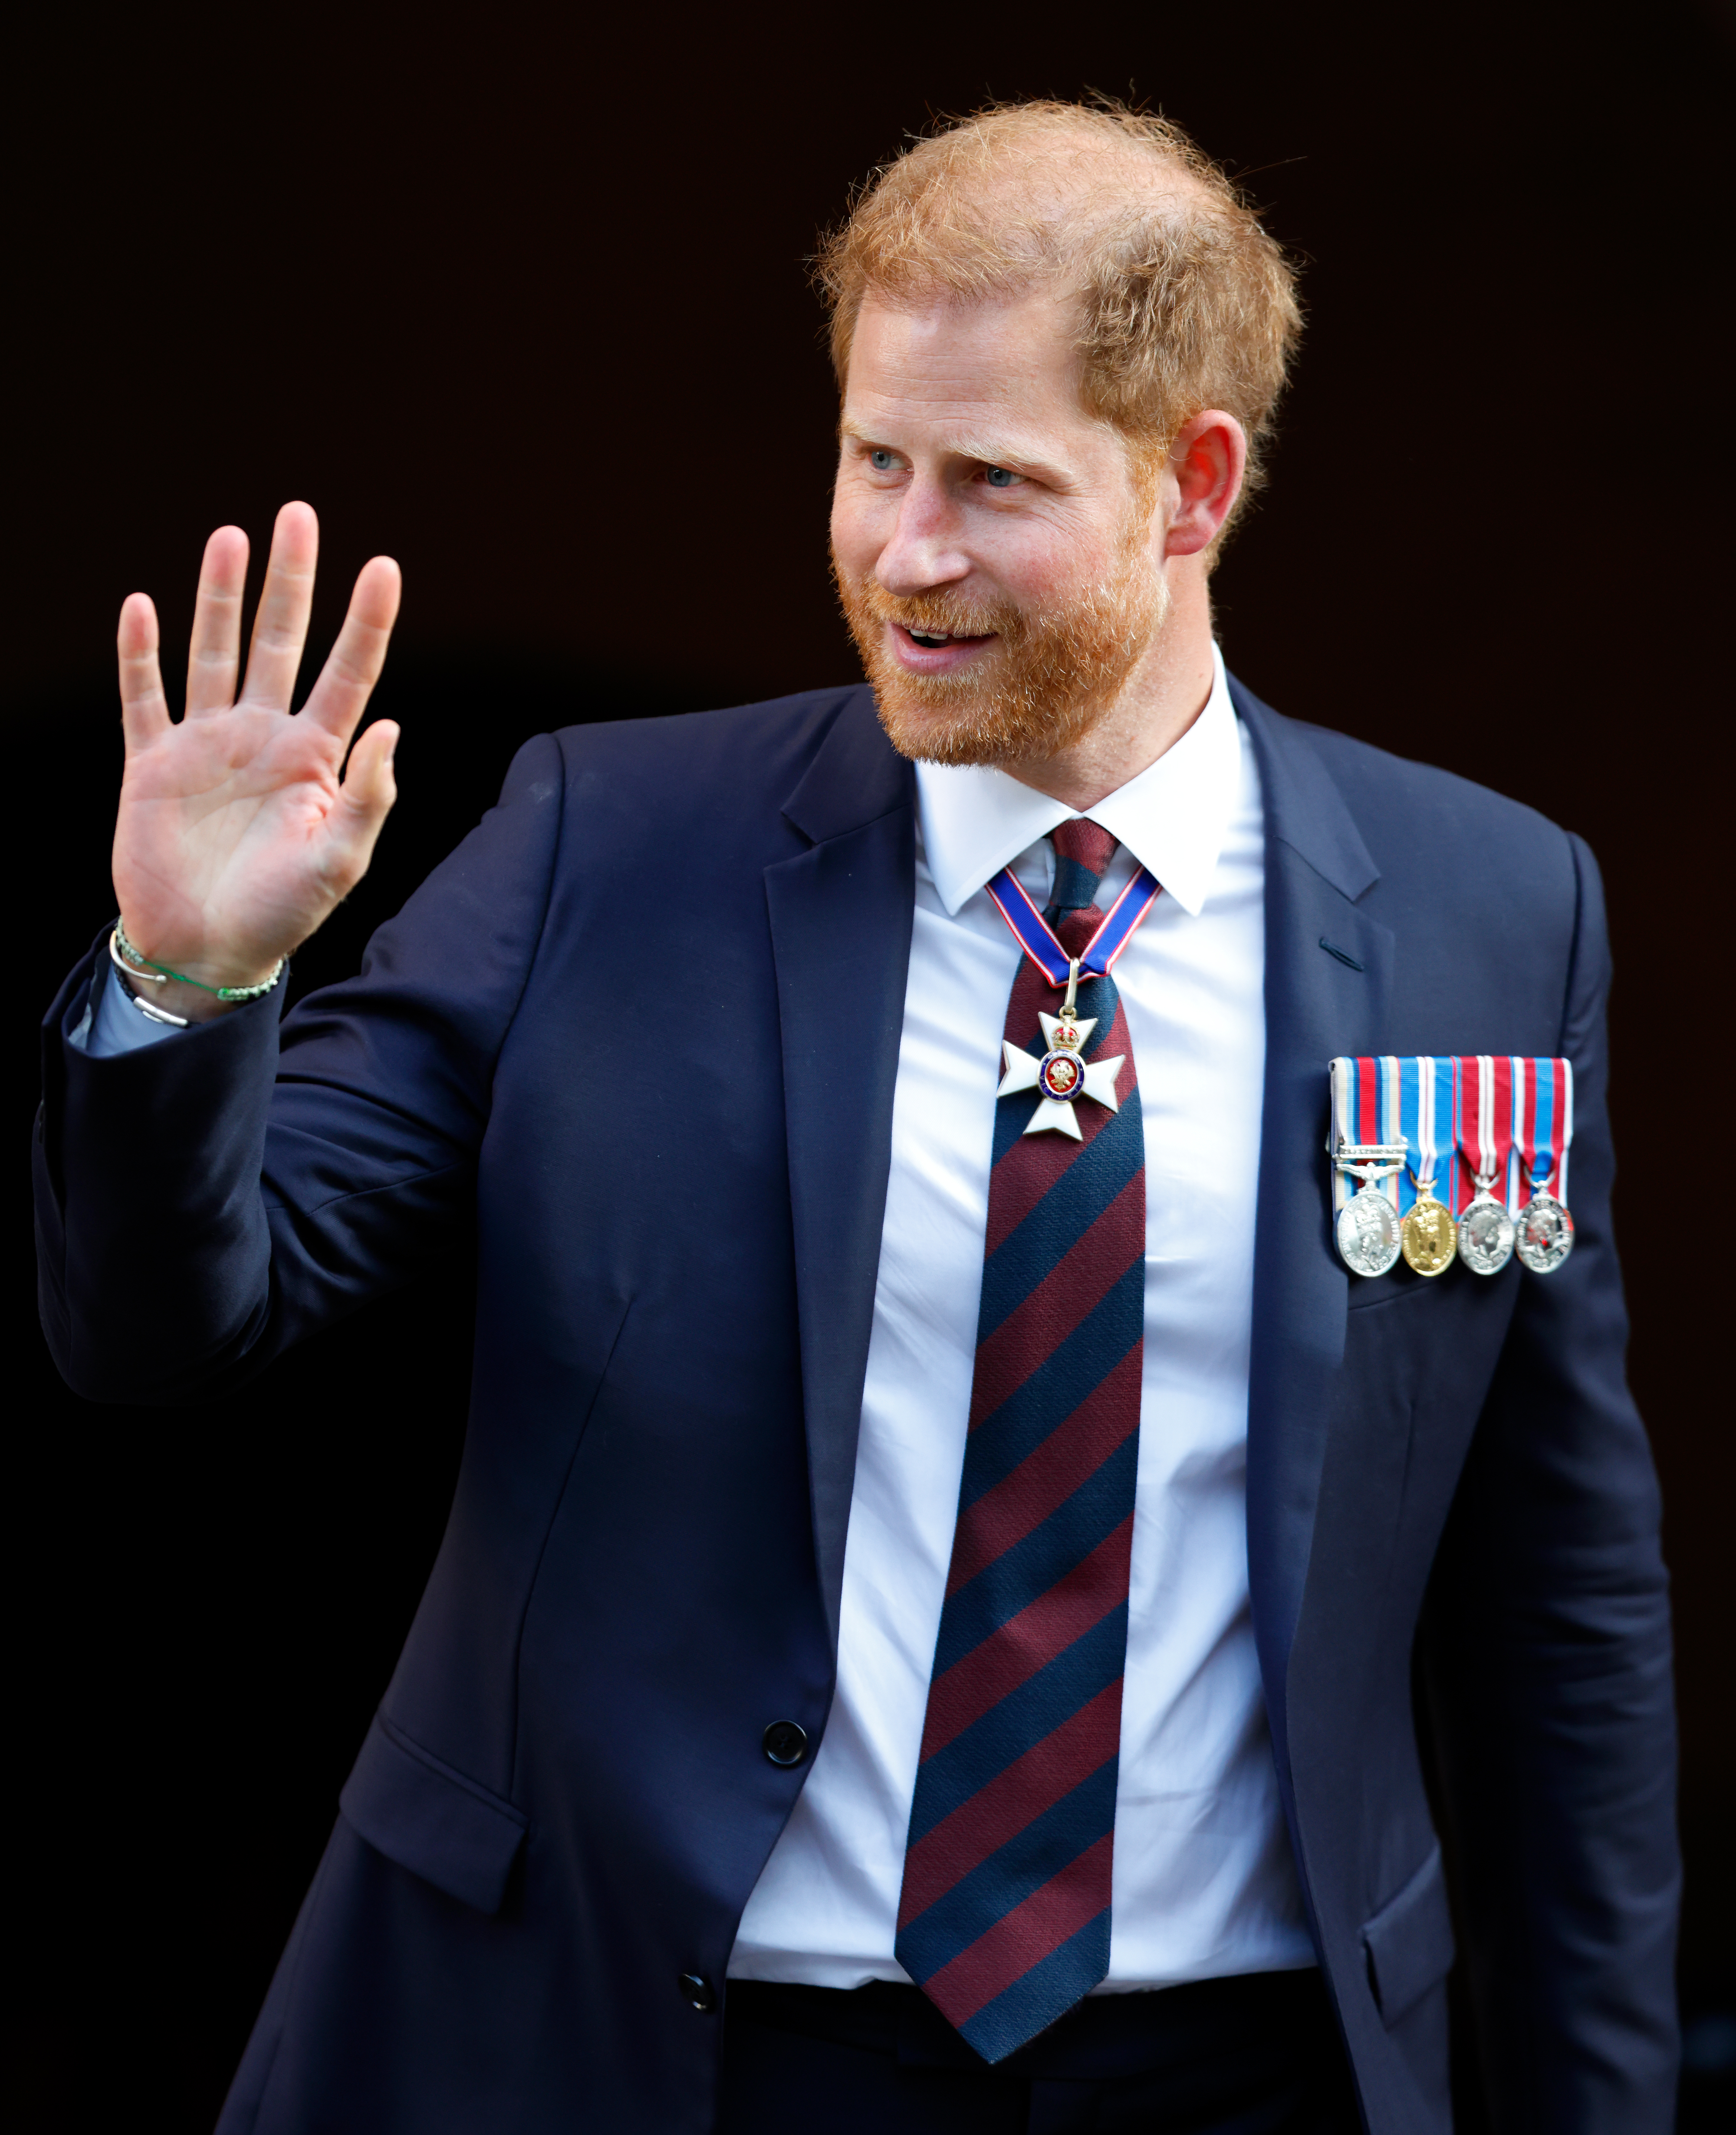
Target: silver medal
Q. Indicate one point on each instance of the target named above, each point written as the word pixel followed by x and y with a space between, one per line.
pixel 1544 1233
pixel 1367 1228
pixel 1368 1233
pixel 1485 1234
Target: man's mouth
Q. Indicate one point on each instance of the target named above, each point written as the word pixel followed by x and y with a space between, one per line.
pixel 932 640
pixel 920 650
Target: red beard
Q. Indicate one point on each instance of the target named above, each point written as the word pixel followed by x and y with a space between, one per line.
pixel 1047 678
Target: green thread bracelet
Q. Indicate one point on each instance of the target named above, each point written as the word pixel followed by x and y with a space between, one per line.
pixel 142 967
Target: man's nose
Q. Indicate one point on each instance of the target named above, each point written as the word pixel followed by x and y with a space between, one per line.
pixel 926 544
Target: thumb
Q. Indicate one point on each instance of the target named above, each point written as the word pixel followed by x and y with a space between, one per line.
pixel 364 800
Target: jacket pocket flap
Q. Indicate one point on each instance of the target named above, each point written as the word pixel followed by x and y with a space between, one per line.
pixel 430 1819
pixel 1410 1941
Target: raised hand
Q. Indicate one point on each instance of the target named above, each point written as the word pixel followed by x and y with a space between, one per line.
pixel 235 836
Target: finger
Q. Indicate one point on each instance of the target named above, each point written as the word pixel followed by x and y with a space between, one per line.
pixel 215 652
pixel 144 712
pixel 280 628
pixel 346 680
pixel 363 802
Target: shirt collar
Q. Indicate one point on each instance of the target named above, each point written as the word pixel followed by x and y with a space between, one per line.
pixel 1172 818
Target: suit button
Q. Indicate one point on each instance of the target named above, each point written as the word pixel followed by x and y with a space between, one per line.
pixel 784 1743
pixel 697 1989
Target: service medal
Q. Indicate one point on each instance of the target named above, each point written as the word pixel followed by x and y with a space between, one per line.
pixel 1427 1236
pixel 1544 1233
pixel 1482 1103
pixel 1424 1118
pixel 1543 1132
pixel 1485 1233
pixel 1367 1231
pixel 1366 1227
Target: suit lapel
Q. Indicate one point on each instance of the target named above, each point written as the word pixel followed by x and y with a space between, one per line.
pixel 841 915
pixel 1319 1004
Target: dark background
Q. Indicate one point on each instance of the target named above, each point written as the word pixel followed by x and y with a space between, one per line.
pixel 526 307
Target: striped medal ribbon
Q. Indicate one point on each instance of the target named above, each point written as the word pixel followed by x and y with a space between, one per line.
pixel 1040 943
pixel 1483 1112
pixel 1427 1237
pixel 1367 1214
pixel 1543 1132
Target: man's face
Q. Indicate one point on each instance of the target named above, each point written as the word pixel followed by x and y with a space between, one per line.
pixel 994 556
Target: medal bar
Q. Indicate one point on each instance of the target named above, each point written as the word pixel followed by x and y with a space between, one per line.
pixel 1437 1159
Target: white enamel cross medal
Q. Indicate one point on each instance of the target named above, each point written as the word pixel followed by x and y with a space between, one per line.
pixel 1061 1075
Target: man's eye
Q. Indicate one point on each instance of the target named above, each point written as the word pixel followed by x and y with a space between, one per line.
pixel 881 460
pixel 1000 477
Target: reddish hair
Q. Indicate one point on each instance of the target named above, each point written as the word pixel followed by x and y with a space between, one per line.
pixel 1185 302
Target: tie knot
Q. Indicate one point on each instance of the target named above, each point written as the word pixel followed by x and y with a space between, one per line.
pixel 1083 849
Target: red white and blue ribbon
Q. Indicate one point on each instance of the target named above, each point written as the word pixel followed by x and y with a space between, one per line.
pixel 1366 1111
pixel 1505 1118
pixel 1037 939
pixel 1543 1128
pixel 1424 1099
pixel 1482 1116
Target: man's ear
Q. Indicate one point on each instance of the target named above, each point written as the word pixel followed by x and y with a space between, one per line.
pixel 1202 480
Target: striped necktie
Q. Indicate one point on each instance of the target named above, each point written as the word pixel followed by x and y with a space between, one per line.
pixel 1004 1917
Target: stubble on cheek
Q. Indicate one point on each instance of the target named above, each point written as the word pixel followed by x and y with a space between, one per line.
pixel 1049 676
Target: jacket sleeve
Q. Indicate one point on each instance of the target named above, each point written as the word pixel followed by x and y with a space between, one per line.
pixel 1545 1656
pixel 205 1201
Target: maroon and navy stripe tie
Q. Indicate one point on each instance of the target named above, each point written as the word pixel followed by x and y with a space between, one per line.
pixel 1004 1918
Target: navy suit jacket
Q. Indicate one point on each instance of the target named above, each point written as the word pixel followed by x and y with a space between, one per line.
pixel 640 1031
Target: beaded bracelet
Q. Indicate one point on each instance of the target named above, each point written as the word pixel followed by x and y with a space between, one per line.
pixel 126 958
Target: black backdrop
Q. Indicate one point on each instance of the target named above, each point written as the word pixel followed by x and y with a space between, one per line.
pixel 525 307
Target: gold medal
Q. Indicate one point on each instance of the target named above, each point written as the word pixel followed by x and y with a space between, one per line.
pixel 1427 1237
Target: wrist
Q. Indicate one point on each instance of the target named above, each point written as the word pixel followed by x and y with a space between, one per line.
pixel 171 1002
pixel 193 991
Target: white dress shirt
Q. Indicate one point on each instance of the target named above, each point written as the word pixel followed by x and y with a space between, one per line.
pixel 1203 1882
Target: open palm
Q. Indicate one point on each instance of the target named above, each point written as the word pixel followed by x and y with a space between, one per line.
pixel 238 828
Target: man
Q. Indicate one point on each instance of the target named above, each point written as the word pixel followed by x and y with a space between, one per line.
pixel 959 1611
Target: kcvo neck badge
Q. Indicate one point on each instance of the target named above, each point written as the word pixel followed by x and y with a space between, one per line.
pixel 1062 1074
